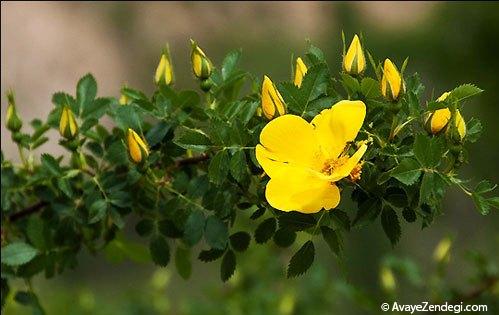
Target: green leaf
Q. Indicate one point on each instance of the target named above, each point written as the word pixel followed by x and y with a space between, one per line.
pixel 473 130
pixel 86 91
pixel 218 170
pixel 97 108
pixel 292 97
pixel 36 231
pixel 210 255
pixel 314 84
pixel 194 227
pixel 65 186
pixel 239 241
pixel 189 138
pixel 144 227
pixel 332 239
pixel 51 164
pixel 340 219
pixel 183 262
pixel 168 228
pixel 301 260
pixel 156 134
pixel 391 224
pixel 216 233
pixel 228 265
pixel 350 83
pixel 463 92
pixel 284 237
pixel 428 151
pixel 127 117
pixel 265 230
pixel 18 253
pixel 238 168
pixel 409 215
pixel 229 63
pixel 407 172
pixel 97 211
pixel 296 221
pixel 160 251
pixel 370 88
pixel 29 299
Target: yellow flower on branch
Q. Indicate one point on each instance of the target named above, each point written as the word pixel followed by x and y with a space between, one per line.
pixel 354 62
pixel 137 147
pixel 300 71
pixel 272 102
pixel 305 160
pixel 441 117
pixel 68 127
pixel 392 84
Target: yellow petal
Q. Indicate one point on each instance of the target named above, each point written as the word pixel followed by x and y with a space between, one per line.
pixel 355 55
pixel 300 70
pixel 290 139
pixel 440 119
pixel 160 70
pixel 338 125
pixel 133 147
pixel 443 97
pixel 391 80
pixel 143 145
pixel 272 102
pixel 73 126
pixel 64 121
pixel 345 169
pixel 300 189
pixel 461 125
pixel 168 72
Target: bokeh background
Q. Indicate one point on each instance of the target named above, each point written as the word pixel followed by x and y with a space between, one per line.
pixel 46 47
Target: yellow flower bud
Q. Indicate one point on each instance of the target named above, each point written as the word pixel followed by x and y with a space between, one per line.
pixel 164 71
pixel 137 146
pixel 272 102
pixel 201 65
pixel 387 278
pixel 67 124
pixel 300 71
pixel 354 62
pixel 438 120
pixel 442 251
pixel 123 99
pixel 392 84
pixel 13 122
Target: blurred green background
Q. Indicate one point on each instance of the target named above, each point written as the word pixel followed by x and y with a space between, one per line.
pixel 46 47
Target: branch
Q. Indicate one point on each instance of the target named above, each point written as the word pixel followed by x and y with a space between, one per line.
pixel 27 211
pixel 192 160
pixel 484 287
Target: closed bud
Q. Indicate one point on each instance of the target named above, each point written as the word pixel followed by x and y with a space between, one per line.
pixel 13 122
pixel 438 121
pixel 387 278
pixel 164 71
pixel 354 62
pixel 201 65
pixel 67 124
pixel 272 102
pixel 300 71
pixel 137 146
pixel 206 85
pixel 123 98
pixel 441 254
pixel 392 84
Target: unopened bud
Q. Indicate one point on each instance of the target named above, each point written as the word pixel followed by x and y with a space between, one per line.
pixel 12 120
pixel 201 65
pixel 68 127
pixel 137 146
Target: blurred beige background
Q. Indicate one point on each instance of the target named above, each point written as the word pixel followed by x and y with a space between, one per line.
pixel 48 46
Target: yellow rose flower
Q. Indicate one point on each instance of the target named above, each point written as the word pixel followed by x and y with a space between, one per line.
pixel 137 147
pixel 300 71
pixel 354 62
pixel 441 117
pixel 272 102
pixel 305 160
pixel 392 84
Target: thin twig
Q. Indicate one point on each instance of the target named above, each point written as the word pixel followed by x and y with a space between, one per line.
pixel 27 211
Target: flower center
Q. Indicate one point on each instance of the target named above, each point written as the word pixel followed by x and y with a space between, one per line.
pixel 333 164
